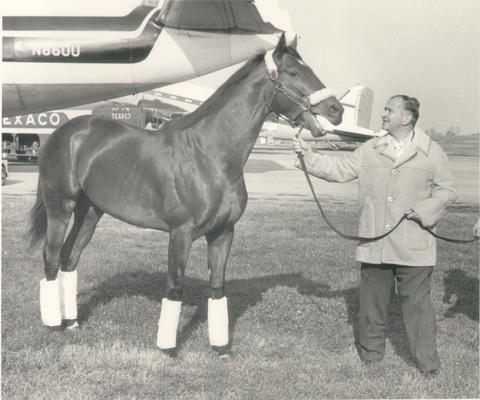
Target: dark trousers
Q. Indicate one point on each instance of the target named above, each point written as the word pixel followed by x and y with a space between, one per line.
pixel 376 290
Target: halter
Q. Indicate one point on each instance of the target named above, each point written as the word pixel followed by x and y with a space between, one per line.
pixel 303 103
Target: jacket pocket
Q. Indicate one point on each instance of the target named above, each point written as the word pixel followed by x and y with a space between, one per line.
pixel 416 238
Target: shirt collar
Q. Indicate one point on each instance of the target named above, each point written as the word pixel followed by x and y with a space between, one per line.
pixel 419 138
pixel 389 139
pixel 402 142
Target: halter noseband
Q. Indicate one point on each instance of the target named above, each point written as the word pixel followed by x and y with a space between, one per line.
pixel 303 103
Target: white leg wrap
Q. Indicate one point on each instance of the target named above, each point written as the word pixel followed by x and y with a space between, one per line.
pixel 168 323
pixel 68 294
pixel 218 321
pixel 50 302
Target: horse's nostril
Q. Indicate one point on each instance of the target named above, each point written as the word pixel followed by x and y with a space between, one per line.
pixel 332 110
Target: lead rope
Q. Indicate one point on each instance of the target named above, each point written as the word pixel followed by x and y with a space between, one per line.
pixel 370 239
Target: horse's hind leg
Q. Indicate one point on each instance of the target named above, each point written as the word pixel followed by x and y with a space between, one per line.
pixel 86 217
pixel 59 211
pixel 219 245
pixel 178 251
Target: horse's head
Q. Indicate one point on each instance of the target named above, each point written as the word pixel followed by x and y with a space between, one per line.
pixel 299 95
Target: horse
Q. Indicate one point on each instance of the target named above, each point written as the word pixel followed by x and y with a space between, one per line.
pixel 185 179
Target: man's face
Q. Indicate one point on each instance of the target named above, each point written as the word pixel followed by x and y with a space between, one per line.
pixel 393 116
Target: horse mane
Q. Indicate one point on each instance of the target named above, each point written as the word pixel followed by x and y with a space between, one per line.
pixel 217 99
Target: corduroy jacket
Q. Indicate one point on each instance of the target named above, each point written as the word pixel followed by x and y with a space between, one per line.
pixel 420 180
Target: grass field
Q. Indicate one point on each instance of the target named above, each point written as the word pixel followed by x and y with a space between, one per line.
pixel 293 302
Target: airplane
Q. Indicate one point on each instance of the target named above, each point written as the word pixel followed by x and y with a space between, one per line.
pixel 56 62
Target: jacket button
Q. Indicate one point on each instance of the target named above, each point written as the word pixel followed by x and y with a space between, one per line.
pixel 390 199
pixel 388 227
pixel 395 172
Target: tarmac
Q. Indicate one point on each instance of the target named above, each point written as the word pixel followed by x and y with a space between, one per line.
pixel 270 174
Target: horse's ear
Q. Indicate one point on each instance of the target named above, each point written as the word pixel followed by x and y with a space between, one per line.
pixel 293 45
pixel 281 46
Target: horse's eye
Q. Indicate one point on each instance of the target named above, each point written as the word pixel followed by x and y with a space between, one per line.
pixel 292 73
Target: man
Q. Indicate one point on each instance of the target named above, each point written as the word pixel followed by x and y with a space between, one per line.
pixel 402 172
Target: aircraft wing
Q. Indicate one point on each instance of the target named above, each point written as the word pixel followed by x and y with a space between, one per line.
pixel 355 133
pixel 283 131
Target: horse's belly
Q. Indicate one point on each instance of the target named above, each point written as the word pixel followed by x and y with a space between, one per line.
pixel 121 183
pixel 136 205
pixel 156 189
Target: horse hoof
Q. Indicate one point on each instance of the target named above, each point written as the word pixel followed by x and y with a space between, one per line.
pixel 224 352
pixel 170 353
pixel 70 324
pixel 226 357
pixel 57 328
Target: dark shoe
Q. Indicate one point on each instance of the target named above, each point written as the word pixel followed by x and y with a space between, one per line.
pixel 430 374
pixel 370 362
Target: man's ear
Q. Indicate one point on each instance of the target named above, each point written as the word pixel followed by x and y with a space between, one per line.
pixel 407 118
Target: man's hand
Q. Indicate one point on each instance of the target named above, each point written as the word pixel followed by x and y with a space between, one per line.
pixel 413 216
pixel 299 145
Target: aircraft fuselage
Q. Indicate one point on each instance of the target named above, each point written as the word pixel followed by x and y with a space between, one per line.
pixel 53 63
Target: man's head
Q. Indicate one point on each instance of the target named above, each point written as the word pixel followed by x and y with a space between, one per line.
pixel 401 113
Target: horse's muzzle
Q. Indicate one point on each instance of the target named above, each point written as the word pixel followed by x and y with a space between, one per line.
pixel 335 114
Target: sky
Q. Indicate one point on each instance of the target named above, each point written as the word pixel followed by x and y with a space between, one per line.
pixel 428 49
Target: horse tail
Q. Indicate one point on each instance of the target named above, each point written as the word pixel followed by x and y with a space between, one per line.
pixel 38 221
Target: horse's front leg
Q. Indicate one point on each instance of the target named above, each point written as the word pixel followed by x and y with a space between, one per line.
pixel 178 250
pixel 219 244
